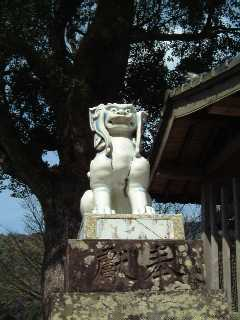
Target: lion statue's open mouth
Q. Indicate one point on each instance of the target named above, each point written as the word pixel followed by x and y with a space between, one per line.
pixel 125 120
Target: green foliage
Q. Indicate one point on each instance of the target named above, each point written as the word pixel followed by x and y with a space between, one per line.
pixel 173 16
pixel 20 276
pixel 235 316
pixel 191 216
pixel 41 41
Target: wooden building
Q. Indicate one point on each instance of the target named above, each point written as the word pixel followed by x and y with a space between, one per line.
pixel 196 159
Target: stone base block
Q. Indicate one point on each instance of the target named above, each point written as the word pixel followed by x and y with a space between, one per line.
pixel 128 265
pixel 140 305
pixel 131 226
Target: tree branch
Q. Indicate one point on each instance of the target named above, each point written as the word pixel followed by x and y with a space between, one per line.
pixel 138 36
pixel 34 218
pixel 28 169
pixel 26 256
pixel 211 9
pixel 63 12
pixel 98 74
pixel 17 45
pixel 42 68
pixel 5 164
pixel 19 283
pixel 13 283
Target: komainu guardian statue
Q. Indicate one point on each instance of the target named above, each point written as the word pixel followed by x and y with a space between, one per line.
pixel 119 175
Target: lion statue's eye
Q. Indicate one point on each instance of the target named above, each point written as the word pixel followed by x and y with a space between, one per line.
pixel 114 110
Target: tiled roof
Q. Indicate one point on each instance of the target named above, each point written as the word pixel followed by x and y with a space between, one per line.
pixel 206 76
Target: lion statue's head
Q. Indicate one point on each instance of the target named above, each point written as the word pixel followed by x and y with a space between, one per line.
pixel 112 119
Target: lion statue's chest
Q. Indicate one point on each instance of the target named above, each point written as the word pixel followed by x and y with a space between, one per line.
pixel 122 153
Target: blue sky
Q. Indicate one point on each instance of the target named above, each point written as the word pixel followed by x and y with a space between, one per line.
pixel 11 213
pixel 11 209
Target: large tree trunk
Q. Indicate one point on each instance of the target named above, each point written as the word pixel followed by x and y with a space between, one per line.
pixel 97 77
pixel 61 209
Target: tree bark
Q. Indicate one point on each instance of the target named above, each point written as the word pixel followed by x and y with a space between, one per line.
pixel 62 222
pixel 98 77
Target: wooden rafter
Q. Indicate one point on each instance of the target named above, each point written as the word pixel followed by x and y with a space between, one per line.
pixel 226 152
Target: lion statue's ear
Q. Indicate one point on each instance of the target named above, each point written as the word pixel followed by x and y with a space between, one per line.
pixel 102 139
pixel 141 119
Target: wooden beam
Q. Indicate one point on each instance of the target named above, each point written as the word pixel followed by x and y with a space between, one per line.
pixel 200 97
pixel 226 253
pixel 214 238
pixel 226 152
pixel 179 172
pixel 236 208
pixel 225 110
pixel 174 197
pixel 206 236
pixel 229 106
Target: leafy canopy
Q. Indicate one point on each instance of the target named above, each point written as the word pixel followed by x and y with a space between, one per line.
pixel 60 57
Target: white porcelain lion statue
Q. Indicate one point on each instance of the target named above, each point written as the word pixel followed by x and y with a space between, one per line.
pixel 119 175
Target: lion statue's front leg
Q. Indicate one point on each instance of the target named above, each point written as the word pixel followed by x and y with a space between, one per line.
pixel 138 182
pixel 100 183
pixel 98 199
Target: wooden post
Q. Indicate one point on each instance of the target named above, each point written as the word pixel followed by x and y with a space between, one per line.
pixel 206 237
pixel 226 255
pixel 214 241
pixel 236 208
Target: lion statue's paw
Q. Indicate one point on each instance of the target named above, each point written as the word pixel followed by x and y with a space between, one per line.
pixel 150 210
pixel 144 210
pixel 105 210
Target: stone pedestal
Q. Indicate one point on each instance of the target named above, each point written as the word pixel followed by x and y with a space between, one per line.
pixel 140 305
pixel 125 279
pixel 128 265
pixel 131 226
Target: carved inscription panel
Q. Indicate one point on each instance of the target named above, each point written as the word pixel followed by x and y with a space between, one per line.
pixel 124 265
